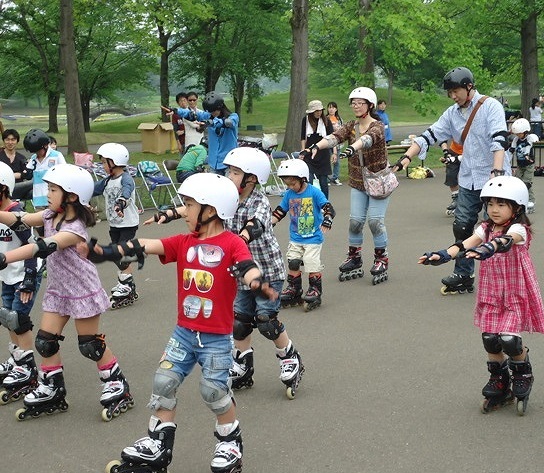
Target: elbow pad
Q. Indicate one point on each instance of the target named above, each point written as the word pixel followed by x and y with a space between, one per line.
pixel 44 247
pixel 501 137
pixel 19 225
pixel 502 246
pixel 278 213
pixel 239 270
pixel 254 228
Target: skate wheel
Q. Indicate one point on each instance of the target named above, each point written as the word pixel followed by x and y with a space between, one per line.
pixel 111 467
pixel 123 408
pixel 444 290
pixel 106 415
pixel 341 277
pixel 4 397
pixel 521 406
pixel 485 406
pixel 20 414
pixel 290 393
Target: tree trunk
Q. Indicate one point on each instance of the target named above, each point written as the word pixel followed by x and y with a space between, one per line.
pixel 238 91
pixel 529 62
pixel 163 78
pixel 68 60
pixel 86 111
pixel 53 99
pixel 367 66
pixel 299 75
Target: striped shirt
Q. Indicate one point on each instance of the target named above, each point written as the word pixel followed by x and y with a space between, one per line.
pixel 266 250
pixel 481 141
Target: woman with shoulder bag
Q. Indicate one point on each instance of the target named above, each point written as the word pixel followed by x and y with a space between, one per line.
pixel 370 180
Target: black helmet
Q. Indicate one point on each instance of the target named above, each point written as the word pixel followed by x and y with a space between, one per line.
pixel 212 102
pixel 458 77
pixel 35 140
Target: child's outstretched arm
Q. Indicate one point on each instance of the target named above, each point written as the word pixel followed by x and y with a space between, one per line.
pixel 124 253
pixel 20 221
pixel 166 216
pixel 458 249
pixel 500 244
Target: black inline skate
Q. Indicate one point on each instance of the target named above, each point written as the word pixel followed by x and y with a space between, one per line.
pixel 9 364
pixel 227 457
pixel 150 454
pixel 291 370
pixel 115 397
pixel 22 379
pixel 450 209
pixel 124 292
pixel 291 296
pixel 352 268
pixel 497 392
pixel 241 373
pixel 312 298
pixel 380 266
pixel 49 396
pixel 457 284
pixel 522 382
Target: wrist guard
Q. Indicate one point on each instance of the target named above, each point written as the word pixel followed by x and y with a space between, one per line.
pixel 29 281
pixel 132 254
pixel 167 218
pixel 254 228
pixel 498 172
pixel 347 152
pixel 327 222
pixel 120 204
pixel 238 270
pixel 483 252
pixel 443 254
pixel 44 247
pixel 3 264
pixel 278 213
pixel 109 252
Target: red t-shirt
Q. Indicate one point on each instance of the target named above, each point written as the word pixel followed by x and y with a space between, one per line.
pixel 206 289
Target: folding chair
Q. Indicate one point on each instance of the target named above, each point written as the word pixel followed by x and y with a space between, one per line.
pixel 278 187
pixel 171 165
pixel 160 187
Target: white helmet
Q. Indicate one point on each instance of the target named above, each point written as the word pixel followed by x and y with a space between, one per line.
pixel 6 177
pixel 506 187
pixel 521 125
pixel 114 151
pixel 72 179
pixel 294 167
pixel 251 161
pixel 364 93
pixel 212 189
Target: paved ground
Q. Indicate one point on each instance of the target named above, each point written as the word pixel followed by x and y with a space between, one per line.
pixel 393 382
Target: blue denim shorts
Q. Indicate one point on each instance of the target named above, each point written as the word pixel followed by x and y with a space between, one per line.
pixel 249 303
pixel 212 351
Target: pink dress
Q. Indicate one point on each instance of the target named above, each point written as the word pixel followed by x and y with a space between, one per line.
pixel 73 286
pixel 509 298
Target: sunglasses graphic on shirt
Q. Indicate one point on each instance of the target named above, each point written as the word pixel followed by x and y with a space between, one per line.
pixel 203 279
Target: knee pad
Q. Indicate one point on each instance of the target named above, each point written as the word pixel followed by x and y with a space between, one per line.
pixel 12 320
pixel 461 230
pixel 47 344
pixel 217 399
pixel 165 386
pixel 92 346
pixel 294 264
pixel 242 328
pixel 270 328
pixel 376 225
pixel 355 226
pixel 25 324
pixel 512 345
pixel 492 343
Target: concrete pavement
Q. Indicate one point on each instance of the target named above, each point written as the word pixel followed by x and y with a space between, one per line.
pixel 393 372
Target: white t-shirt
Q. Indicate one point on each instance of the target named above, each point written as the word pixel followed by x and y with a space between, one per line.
pixel 516 228
pixel 39 188
pixel 535 114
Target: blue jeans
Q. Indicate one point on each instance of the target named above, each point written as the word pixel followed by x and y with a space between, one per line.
pixel 250 303
pixel 468 207
pixel 212 351
pixel 364 207
pixel 323 182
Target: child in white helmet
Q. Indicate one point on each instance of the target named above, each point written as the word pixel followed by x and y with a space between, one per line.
pixel 509 300
pixel 207 258
pixel 522 149
pixel 73 292
pixel 119 191
pixel 20 284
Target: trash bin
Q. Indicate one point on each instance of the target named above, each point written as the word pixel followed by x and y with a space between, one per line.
pixel 157 138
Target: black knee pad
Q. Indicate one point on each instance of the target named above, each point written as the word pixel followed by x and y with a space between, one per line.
pixel 295 264
pixel 25 324
pixel 461 231
pixel 47 344
pixel 512 345
pixel 243 326
pixel 92 346
pixel 355 226
pixel 492 343
pixel 270 328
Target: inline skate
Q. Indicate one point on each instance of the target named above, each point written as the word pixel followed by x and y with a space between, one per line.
pixel 352 268
pixel 379 268
pixel 227 457
pixel 291 370
pixel 150 454
pixel 48 397
pixel 312 298
pixel 241 373
pixel 124 292
pixel 457 284
pixel 115 397
pixel 9 364
pixel 450 209
pixel 291 296
pixel 522 382
pixel 22 379
pixel 497 392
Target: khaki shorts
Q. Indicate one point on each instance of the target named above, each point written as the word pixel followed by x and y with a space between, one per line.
pixel 310 254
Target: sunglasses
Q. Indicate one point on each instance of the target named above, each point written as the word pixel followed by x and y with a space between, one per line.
pixel 191 100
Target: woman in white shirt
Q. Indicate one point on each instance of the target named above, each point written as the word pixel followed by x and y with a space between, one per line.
pixel 535 117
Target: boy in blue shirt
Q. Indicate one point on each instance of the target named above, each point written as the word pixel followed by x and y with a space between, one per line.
pixel 304 204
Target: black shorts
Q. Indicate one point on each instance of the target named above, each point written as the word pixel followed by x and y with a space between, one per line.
pixel 452 173
pixel 122 234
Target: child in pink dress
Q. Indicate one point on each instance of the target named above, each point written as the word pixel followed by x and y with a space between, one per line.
pixel 509 300
pixel 73 291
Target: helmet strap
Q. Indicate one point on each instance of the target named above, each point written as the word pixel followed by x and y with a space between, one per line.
pixel 199 222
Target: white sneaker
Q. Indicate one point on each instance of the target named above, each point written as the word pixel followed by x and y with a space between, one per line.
pixel 337 182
